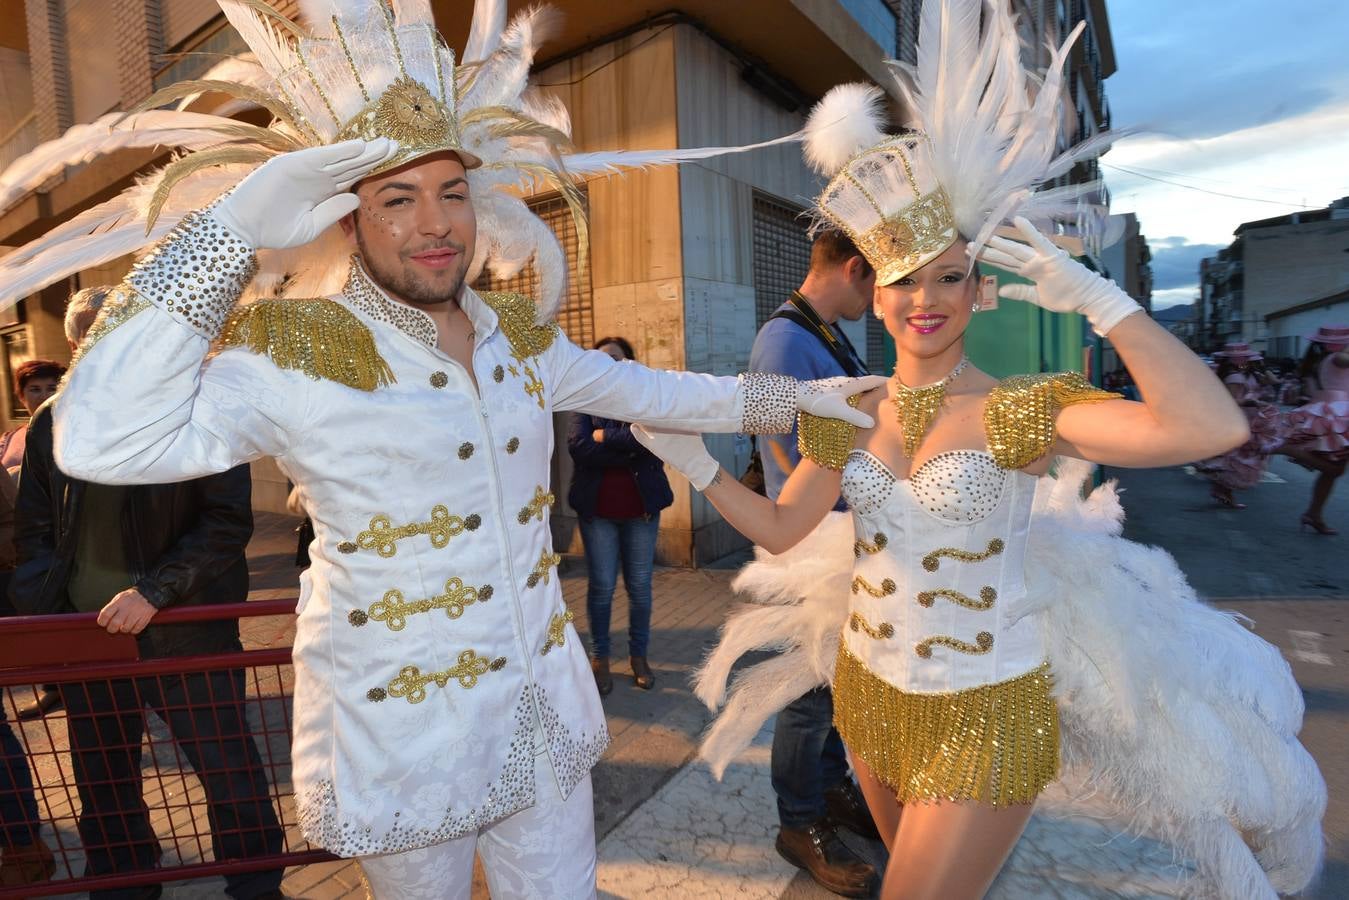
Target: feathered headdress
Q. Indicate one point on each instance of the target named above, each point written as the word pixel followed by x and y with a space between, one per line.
pixel 349 68
pixel 985 139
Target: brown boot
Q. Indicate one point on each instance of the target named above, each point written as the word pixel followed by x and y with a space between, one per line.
pixel 26 865
pixel 834 867
pixel 642 676
pixel 603 680
pixel 848 809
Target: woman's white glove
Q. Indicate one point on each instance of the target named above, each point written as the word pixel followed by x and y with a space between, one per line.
pixel 828 398
pixel 291 199
pixel 682 449
pixel 1061 283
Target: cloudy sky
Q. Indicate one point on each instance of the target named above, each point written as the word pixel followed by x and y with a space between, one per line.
pixel 1242 98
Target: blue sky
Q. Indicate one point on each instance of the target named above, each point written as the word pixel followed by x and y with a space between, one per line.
pixel 1239 97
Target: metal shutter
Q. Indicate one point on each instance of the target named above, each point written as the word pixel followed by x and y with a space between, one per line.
pixel 781 254
pixel 577 315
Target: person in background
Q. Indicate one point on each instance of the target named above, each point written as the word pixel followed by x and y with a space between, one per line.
pixel 24 858
pixel 618 490
pixel 126 552
pixel 1241 370
pixel 1320 427
pixel 34 382
pixel 815 792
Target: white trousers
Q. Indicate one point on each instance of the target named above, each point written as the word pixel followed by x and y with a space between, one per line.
pixel 546 852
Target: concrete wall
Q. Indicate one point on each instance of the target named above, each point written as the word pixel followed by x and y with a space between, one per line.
pixel 1291 264
pixel 1287 334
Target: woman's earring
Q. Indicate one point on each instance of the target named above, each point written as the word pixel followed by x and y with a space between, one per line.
pixel 974 307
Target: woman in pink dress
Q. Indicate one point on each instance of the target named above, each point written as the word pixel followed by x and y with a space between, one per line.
pixel 1319 430
pixel 1242 468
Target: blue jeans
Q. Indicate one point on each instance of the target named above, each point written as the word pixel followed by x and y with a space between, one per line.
pixel 19 823
pixel 609 542
pixel 808 758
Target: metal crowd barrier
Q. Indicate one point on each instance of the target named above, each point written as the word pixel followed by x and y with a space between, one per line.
pixel 203 695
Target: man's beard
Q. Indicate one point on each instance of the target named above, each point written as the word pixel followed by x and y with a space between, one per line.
pixel 404 284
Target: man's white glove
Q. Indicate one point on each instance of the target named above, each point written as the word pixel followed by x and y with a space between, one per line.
pixel 291 199
pixel 1061 283
pixel 681 449
pixel 828 398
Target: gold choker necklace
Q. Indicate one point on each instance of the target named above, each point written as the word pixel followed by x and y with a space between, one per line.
pixel 915 408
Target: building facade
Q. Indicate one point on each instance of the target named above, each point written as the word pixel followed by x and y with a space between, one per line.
pixel 686 263
pixel 1277 274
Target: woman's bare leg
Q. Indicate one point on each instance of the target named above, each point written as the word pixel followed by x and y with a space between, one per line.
pixel 951 851
pixel 885 809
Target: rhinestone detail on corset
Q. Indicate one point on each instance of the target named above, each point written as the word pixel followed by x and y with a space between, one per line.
pixel 958 485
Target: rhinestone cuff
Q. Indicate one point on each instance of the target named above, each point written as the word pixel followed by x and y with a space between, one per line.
pixel 769 403
pixel 197 272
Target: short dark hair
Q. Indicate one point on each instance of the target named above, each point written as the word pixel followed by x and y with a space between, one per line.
pixel 833 248
pixel 36 368
pixel 621 343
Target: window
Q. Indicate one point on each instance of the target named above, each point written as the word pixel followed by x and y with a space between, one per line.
pixel 185 64
pixel 577 314
pixel 95 73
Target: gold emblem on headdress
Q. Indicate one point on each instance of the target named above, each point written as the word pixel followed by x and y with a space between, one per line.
pixel 408 113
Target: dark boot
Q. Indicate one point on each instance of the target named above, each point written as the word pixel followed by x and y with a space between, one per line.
pixel 26 865
pixel 48 699
pixel 603 680
pixel 834 867
pixel 847 808
pixel 642 675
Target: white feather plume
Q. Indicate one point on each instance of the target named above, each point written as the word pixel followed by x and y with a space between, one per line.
pixel 848 120
pixel 489 20
pixel 274 51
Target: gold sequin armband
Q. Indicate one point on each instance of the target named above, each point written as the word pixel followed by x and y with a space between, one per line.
pixel 826 442
pixel 1020 414
pixel 517 316
pixel 321 338
pixel 196 273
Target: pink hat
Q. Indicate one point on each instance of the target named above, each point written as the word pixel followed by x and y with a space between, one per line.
pixel 1330 334
pixel 1238 350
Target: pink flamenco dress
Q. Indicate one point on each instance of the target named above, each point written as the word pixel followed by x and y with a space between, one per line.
pixel 1322 426
pixel 1243 467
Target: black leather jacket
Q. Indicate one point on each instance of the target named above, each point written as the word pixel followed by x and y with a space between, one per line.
pixel 183 542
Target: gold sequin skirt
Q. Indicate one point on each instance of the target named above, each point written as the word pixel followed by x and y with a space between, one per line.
pixel 996 743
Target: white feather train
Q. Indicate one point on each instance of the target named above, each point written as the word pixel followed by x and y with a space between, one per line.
pixel 1175 709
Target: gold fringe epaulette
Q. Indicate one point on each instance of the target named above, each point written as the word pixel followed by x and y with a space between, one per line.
pixel 826 442
pixel 1021 410
pixel 321 338
pixel 517 315
pixel 996 743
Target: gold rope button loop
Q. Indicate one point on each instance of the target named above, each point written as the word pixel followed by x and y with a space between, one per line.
pixel 877 544
pixel 411 683
pixel 885 590
pixel 983 643
pixel 547 560
pixel 557 635
pixel 535 508
pixel 878 632
pixel 393 610
pixel 382 534
pixel 987 596
pixel 932 561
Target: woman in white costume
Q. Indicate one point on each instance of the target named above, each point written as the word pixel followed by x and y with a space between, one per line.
pixel 976 607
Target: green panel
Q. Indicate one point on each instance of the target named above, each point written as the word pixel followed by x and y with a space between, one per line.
pixel 1019 338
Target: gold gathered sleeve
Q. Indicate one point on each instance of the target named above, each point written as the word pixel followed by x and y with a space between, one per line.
pixel 826 442
pixel 1019 419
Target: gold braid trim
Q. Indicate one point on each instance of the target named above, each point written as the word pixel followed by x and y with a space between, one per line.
pixel 996 743
pixel 987 597
pixel 517 316
pixel 932 561
pixel 826 442
pixel 320 338
pixel 1020 413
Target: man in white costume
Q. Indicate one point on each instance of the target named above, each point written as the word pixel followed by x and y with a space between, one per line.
pixel 442 699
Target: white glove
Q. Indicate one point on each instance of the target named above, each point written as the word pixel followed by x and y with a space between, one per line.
pixel 1061 283
pixel 683 450
pixel 828 398
pixel 292 198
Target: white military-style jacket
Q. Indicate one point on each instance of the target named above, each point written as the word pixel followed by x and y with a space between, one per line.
pixel 432 643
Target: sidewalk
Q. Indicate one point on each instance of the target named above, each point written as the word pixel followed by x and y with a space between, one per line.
pixel 667 829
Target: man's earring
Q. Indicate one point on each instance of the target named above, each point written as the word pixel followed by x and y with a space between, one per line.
pixel 879 313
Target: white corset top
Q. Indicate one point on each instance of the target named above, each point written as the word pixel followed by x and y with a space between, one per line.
pixel 960 486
